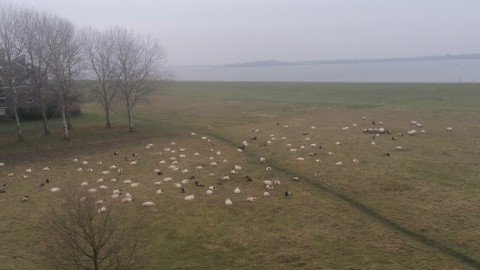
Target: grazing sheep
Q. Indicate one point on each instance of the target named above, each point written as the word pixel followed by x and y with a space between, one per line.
pixel 386 154
pixel 28 170
pixel 209 192
pixel 99 202
pixel 158 183
pixel 92 190
pixel 338 143
pixel 237 167
pixel 267 182
pixel 2 164
pixel 133 163
pixel 237 190
pixel 228 202
pixel 75 160
pixel 128 181
pixel 105 172
pixel 398 147
pixel 252 199
pixel 268 168
pixel 296 179
pixel 269 186
pixel 84 184
pixel 55 189
pixel 189 197
pixel 84 162
pixel 11 175
pixel 148 204
pixel 114 180
pixel 288 193
pixel 177 185
pixel 117 191
pixel 3 187
pixel 102 209
pixel 128 195
pixel 103 187
pixel 339 163
pixel 262 159
pixel 300 159
pixel 449 129
pixel 185 181
pixel 198 184
pixel 48 168
pixel 127 200
pixel 25 198
pixel 266 194
pixel 99 180
pixel 167 179
pixel 356 161
pixel 115 196
pixel 412 132
pixel 276 182
pixel 80 170
pixel 160 191
pixel 135 184
pixel 89 170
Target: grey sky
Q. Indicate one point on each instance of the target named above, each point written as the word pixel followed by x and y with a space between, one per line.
pixel 231 31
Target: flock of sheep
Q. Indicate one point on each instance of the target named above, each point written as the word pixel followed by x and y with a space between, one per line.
pixel 195 172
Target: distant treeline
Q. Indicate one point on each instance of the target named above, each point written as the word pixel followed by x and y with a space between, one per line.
pixel 267 63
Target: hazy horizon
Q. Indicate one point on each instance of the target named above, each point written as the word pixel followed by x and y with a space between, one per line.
pixel 215 32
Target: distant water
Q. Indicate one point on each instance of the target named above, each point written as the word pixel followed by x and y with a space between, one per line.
pixel 421 71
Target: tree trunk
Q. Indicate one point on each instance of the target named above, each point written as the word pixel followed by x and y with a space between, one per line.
pixel 46 130
pixel 69 117
pixel 66 136
pixel 15 112
pixel 130 122
pixel 107 116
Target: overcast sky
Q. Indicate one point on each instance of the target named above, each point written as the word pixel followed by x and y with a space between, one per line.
pixel 196 32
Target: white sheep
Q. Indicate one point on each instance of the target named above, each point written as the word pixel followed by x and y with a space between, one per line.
pixel 209 192
pixel 356 161
pixel 251 199
pixel 28 170
pixel 449 129
pixel 48 168
pixel 189 197
pixel 128 181
pixel 11 174
pixel 84 184
pixel 237 190
pixel 107 172
pixel 228 202
pixel 148 204
pixel 398 147
pixel 55 189
pixel 99 180
pixel 92 190
pixel 266 194
pixel 135 184
pixel 185 181
pixel 84 162
pixel 177 185
pixel 237 167
pixel 2 164
pixel 339 163
pixel 103 187
pixel 102 209
pixel 160 191
pixel 126 200
pixel 268 168
pixel 262 159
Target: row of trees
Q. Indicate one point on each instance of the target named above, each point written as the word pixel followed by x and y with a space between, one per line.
pixel 124 64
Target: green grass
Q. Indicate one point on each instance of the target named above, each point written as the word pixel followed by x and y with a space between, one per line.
pixel 417 209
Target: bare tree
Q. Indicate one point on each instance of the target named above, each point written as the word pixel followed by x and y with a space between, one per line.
pixel 83 234
pixel 33 36
pixel 98 47
pixel 65 63
pixel 11 55
pixel 140 66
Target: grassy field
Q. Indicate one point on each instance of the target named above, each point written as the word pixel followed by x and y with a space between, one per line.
pixel 416 209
